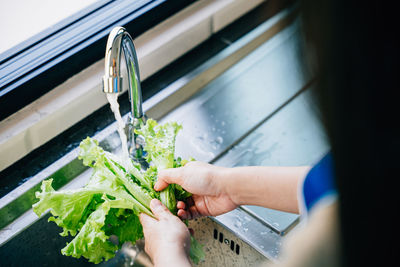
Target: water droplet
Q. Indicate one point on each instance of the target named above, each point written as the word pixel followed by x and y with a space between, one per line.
pixel 247 218
pixel 263 233
pixel 261 246
pixel 239 218
pixel 245 229
pixel 238 224
pixel 219 140
pixel 223 123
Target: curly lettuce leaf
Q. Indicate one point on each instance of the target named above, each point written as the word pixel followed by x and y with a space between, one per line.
pixel 125 225
pixel 94 156
pixel 68 207
pixel 91 242
pixel 180 193
pixel 160 142
pixel 110 169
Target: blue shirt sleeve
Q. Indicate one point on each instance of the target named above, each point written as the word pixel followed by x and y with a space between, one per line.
pixel 319 182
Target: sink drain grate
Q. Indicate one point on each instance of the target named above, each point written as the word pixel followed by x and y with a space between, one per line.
pixel 220 237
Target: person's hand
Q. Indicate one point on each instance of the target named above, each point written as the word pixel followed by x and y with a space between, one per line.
pixel 167 239
pixel 207 185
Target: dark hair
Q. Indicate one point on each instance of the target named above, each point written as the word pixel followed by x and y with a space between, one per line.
pixel 356 51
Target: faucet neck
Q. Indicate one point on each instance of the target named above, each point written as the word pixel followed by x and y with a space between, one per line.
pixel 119 40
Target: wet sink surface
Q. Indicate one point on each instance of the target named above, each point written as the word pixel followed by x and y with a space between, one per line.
pixel 259 112
pixel 292 137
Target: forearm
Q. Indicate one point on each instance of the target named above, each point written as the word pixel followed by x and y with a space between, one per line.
pixel 270 187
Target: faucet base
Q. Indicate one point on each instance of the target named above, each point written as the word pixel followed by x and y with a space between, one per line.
pixel 136 142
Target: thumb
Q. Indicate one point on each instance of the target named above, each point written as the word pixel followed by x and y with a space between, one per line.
pixel 160 211
pixel 168 176
pixel 146 220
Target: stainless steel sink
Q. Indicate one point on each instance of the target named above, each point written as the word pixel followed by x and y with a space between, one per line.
pixel 249 105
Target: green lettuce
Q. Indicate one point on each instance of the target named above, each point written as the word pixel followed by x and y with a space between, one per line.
pixel 196 252
pixel 116 193
pixel 91 241
pixel 160 149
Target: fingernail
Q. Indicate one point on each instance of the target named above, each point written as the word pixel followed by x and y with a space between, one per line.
pixel 156 186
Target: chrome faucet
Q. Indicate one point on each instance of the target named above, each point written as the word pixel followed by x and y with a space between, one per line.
pixel 119 40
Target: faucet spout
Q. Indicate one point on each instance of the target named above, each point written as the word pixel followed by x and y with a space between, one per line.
pixel 119 40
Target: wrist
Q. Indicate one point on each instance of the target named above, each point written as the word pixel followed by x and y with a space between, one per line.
pixel 171 257
pixel 228 184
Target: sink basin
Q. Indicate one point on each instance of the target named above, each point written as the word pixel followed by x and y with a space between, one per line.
pixel 249 105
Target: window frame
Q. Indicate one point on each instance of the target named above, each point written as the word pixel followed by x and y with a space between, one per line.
pixel 36 66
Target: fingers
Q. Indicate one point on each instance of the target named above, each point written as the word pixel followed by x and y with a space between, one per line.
pixel 159 210
pixel 191 213
pixel 183 214
pixel 181 205
pixel 166 177
pixel 194 212
pixel 187 211
pixel 181 210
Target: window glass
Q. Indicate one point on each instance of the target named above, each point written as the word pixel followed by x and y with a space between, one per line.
pixel 23 19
